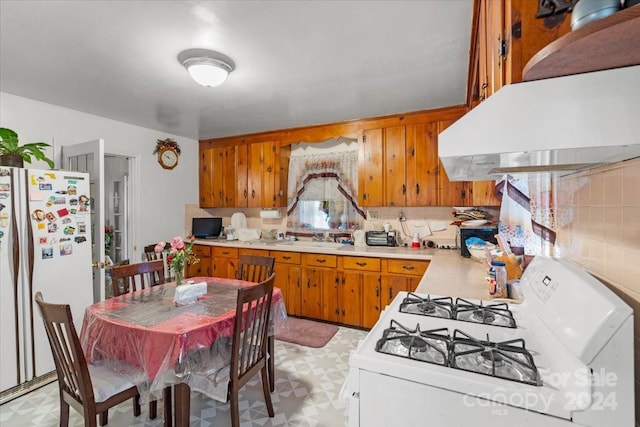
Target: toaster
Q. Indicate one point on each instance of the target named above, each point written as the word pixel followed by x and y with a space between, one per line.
pixel 381 238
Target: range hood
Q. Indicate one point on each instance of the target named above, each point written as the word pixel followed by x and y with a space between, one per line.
pixel 560 125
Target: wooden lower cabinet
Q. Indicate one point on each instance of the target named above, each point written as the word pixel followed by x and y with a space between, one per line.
pixel 203 266
pixel 402 275
pixel 224 262
pixel 289 279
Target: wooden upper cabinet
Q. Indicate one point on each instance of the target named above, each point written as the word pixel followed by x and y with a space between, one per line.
pixel 422 164
pixel 507 35
pixel 263 175
pixel 242 167
pixel 370 169
pixel 394 178
pixel 206 177
pixel 449 193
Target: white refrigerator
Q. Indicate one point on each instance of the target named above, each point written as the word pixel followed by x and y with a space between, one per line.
pixel 45 245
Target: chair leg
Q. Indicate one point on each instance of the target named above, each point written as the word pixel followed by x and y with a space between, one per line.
pixel 153 409
pixel 265 390
pixel 104 418
pixel 64 413
pixel 168 404
pixel 272 361
pixel 235 410
pixel 136 405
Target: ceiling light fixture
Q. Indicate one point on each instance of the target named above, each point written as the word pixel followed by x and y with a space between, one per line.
pixel 206 67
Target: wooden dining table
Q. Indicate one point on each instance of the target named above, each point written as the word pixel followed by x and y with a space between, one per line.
pixel 159 343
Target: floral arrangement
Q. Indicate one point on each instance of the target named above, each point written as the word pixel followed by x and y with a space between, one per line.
pixel 168 142
pixel 108 236
pixel 179 256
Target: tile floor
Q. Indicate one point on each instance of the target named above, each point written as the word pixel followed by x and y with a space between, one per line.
pixel 308 382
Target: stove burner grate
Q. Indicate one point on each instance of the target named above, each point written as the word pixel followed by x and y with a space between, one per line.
pixel 430 346
pixel 492 314
pixel 433 307
pixel 509 360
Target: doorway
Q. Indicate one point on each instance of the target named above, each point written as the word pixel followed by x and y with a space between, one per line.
pixel 118 242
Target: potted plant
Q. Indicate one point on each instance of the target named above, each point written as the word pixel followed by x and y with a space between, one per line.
pixel 13 154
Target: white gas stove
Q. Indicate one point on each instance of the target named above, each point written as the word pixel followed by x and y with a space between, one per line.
pixel 564 356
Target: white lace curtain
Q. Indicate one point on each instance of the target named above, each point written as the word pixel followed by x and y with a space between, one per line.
pixel 329 176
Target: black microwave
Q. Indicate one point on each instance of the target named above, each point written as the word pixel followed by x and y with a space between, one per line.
pixel 486 233
pixel 381 238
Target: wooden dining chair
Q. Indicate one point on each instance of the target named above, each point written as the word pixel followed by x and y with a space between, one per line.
pixel 89 389
pixel 250 342
pixel 141 275
pixel 150 254
pixel 255 268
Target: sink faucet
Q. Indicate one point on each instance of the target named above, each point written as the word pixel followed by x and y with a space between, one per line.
pixel 317 237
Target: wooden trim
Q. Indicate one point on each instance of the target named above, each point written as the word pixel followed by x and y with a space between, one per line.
pixel 350 128
pixel 472 76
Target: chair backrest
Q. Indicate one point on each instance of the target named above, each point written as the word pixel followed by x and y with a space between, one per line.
pixel 255 268
pixel 150 254
pixel 71 365
pixel 253 312
pixel 127 278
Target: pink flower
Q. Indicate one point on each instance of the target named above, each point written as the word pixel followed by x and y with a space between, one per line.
pixel 177 243
pixel 159 247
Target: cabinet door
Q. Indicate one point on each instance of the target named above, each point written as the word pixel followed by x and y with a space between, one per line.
pixel 370 169
pixel 242 192
pixel 330 290
pixel 311 293
pixel 350 297
pixel 206 178
pixel 495 38
pixel 254 176
pixel 483 193
pixel 371 290
pixel 394 177
pixel 270 169
pixel 203 266
pixel 229 180
pixel 393 284
pixel 422 164
pixel 449 193
pixel 289 281
pixel 218 176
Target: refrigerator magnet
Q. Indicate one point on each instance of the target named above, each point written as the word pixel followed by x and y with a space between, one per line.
pixel 5 172
pixel 82 227
pixel 73 211
pixel 50 175
pixel 83 200
pixel 45 186
pixel 41 226
pixel 80 239
pixel 73 202
pixel 60 201
pixel 47 253
pixel 50 216
pixel 42 240
pixel 4 195
pixel 66 220
pixel 71 190
pixel 5 187
pixel 63 212
pixel 69 230
pixel 4 219
pixel 50 200
pixel 38 215
pixel 36 195
pixel 66 249
pixel 1 207
pixel 52 227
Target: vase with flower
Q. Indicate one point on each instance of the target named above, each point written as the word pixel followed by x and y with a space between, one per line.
pixel 180 255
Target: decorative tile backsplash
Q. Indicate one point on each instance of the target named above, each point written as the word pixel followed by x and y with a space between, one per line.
pixel 598 226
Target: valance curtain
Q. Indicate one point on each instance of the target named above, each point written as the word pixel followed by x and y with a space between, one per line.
pixel 323 176
pixel 526 214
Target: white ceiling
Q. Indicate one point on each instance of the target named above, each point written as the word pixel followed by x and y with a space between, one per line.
pixel 297 62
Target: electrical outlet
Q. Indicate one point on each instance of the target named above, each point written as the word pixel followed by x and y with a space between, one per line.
pixel 401 217
pixel 372 215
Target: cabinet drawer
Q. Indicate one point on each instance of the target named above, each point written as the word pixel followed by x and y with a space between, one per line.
pixel 225 252
pixel 258 252
pixel 361 263
pixel 321 260
pixel 286 257
pixel 405 266
pixel 201 251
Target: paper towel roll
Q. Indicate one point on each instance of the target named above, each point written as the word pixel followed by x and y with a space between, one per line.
pixel 270 214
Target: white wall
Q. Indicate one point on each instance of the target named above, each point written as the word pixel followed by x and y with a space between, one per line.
pixel 160 195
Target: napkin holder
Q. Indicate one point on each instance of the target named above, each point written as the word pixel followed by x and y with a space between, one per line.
pixel 189 293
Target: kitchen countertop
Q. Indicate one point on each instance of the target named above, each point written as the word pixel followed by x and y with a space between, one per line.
pixel 448 274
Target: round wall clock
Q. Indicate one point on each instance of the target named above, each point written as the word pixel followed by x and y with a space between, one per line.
pixel 168 157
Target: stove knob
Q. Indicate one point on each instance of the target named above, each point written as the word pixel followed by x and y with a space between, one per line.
pixel 431 244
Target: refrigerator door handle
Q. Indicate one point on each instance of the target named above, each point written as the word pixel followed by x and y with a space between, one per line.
pixel 15 261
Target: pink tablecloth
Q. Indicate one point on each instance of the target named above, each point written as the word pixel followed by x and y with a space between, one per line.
pixel 147 330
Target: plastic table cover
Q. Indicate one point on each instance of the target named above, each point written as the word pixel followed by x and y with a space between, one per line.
pixel 161 343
